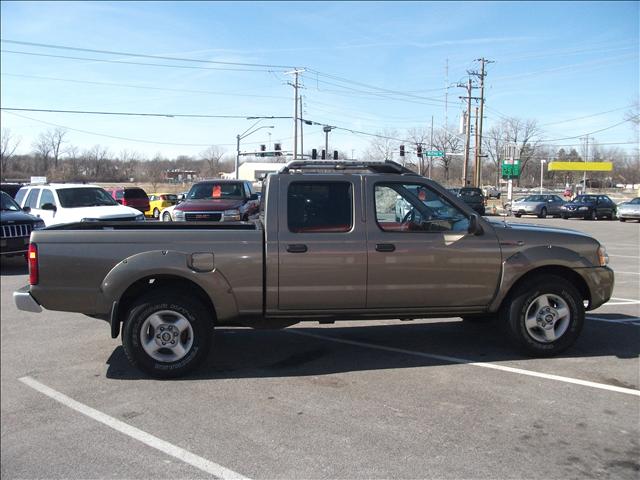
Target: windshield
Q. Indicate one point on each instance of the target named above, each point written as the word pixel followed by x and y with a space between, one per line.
pixel 215 190
pixel 8 204
pixel 131 193
pixel 535 198
pixel 585 198
pixel 84 197
pixel 471 192
pixel 635 201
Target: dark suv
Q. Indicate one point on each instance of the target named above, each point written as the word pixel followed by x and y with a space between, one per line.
pixel 16 227
pixel 218 201
pixel 134 197
pixel 474 198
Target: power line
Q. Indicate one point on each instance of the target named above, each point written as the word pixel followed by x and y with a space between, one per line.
pixel 141 55
pixel 142 87
pixel 591 133
pixel 124 62
pixel 139 114
pixel 586 116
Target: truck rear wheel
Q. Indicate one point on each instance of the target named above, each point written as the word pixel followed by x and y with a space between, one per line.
pixel 545 316
pixel 167 334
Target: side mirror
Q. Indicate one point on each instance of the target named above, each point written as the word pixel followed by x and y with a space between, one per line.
pixel 26 209
pixel 254 196
pixel 49 206
pixel 474 225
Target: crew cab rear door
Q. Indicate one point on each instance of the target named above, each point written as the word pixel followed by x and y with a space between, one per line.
pixel 420 253
pixel 321 243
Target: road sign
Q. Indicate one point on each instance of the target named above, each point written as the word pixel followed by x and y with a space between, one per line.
pixel 511 168
pixel 434 153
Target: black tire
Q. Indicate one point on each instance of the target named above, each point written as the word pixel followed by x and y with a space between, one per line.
pixel 593 215
pixel 543 213
pixel 614 215
pixel 173 305
pixel 156 213
pixel 166 217
pixel 565 217
pixel 525 297
pixel 517 215
pixel 623 219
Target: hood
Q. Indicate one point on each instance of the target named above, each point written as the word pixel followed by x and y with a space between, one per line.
pixel 579 204
pixel 522 203
pixel 99 212
pixel 209 205
pixel 527 228
pixel 11 217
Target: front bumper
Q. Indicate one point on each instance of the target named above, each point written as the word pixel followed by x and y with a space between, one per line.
pixel 600 281
pixel 575 213
pixel 14 245
pixel 629 215
pixel 25 302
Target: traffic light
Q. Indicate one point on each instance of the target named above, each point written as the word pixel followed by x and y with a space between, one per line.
pixel 314 154
pixel 402 150
pixel 263 148
pixel 324 155
pixel 278 148
pixel 419 151
pixel 335 154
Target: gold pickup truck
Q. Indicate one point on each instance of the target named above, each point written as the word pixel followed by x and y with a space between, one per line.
pixel 328 244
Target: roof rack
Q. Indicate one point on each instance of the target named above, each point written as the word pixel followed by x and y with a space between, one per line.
pixel 387 166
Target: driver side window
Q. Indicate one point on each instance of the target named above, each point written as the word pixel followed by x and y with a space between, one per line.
pixel 404 207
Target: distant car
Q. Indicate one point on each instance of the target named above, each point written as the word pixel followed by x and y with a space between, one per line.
pixel 474 198
pixel 16 226
pixel 59 203
pixel 491 192
pixel 539 205
pixel 133 197
pixel 629 210
pixel 166 215
pixel 218 201
pixel 160 201
pixel 10 188
pixel 590 207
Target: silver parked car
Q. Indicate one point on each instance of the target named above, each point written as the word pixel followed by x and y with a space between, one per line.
pixel 629 210
pixel 539 205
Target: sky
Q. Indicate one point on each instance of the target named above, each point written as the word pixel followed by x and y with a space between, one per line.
pixel 369 67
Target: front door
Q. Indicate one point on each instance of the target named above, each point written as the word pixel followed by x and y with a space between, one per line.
pixel 420 253
pixel 321 245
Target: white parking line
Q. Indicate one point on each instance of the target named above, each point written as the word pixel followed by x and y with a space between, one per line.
pixel 623 256
pixel 626 273
pixel 520 371
pixel 154 442
pixel 622 301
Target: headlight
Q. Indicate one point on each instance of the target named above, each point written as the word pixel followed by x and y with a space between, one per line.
pixel 139 218
pixel 563 207
pixel 232 215
pixel 39 225
pixel 603 258
pixel 90 220
pixel 583 208
pixel 178 214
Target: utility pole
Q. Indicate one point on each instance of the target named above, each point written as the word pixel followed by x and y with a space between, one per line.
pixel 431 147
pixel 446 93
pixel 295 86
pixel 468 98
pixel 301 130
pixel 476 158
pixel 483 61
pixel 586 159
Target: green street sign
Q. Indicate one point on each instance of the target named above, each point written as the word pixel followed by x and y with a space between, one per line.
pixel 510 169
pixel 434 153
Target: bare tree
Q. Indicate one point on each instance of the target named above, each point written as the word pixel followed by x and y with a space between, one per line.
pixel 56 138
pixel 212 157
pixel 8 146
pixel 419 136
pixel 42 152
pixel 383 146
pixel 448 142
pixel 155 170
pixel 96 160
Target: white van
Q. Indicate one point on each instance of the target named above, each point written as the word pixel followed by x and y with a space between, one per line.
pixel 59 203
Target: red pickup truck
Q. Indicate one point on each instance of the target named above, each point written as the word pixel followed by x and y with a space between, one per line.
pixel 218 201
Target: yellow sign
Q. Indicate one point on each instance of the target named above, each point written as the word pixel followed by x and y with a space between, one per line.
pixel 581 166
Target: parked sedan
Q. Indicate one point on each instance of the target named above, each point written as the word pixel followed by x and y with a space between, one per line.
pixel 539 205
pixel 590 207
pixel 629 210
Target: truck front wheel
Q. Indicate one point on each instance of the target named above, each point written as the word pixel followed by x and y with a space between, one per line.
pixel 544 316
pixel 167 334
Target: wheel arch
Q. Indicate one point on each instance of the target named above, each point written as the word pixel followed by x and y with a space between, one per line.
pixel 156 283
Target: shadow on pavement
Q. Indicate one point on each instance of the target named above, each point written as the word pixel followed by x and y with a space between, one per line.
pixel 246 353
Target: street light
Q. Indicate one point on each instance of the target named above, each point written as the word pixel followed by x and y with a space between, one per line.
pixel 245 134
pixel 326 129
pixel 542 162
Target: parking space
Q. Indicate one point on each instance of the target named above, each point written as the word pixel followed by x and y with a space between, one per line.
pixel 388 399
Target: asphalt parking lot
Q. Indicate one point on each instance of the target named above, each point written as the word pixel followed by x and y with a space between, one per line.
pixel 423 399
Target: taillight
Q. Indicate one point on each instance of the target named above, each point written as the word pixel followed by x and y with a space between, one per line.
pixel 32 257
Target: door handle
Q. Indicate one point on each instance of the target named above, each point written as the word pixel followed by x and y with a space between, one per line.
pixel 296 248
pixel 385 247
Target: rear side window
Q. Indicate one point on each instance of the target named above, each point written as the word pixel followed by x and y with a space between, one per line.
pixel 135 193
pixel 320 207
pixel 20 195
pixel 46 197
pixel 119 194
pixel 32 198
